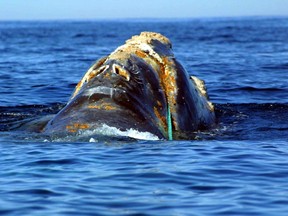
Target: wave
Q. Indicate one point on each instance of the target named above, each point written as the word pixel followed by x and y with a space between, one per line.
pixel 283 66
pixel 250 88
pixel 253 89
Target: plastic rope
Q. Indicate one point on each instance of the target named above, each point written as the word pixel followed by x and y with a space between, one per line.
pixel 169 124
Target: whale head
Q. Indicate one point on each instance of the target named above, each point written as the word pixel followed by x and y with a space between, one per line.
pixel 141 86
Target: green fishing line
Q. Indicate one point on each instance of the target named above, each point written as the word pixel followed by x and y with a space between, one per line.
pixel 169 124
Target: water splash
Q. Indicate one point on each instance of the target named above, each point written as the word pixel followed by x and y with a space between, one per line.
pixel 113 131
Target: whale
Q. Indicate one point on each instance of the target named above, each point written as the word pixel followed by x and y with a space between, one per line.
pixel 142 86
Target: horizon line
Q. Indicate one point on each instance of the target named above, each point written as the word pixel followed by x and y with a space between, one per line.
pixel 143 18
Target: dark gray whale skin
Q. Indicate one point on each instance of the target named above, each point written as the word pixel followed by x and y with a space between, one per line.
pixel 135 87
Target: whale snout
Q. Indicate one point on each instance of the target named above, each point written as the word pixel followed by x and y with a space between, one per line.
pixel 110 75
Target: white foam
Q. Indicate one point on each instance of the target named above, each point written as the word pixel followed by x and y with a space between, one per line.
pixel 113 131
pixel 104 130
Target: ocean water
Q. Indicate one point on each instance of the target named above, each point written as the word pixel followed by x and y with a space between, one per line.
pixel 238 168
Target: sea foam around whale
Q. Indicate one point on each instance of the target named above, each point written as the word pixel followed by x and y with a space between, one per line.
pixel 105 133
pixel 113 131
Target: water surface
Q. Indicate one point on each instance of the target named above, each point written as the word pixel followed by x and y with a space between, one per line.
pixel 239 168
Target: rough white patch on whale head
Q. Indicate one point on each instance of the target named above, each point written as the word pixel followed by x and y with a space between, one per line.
pixel 200 84
pixel 148 49
pixel 141 46
pixel 117 50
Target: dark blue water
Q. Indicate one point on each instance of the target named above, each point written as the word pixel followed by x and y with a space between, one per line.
pixel 239 168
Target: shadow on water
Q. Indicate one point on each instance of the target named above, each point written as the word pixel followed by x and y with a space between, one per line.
pixel 252 121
